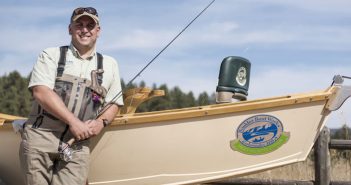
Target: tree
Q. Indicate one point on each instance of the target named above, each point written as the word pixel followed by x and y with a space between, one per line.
pixel 203 99
pixel 15 97
pixel 189 100
pixel 342 133
pixel 177 98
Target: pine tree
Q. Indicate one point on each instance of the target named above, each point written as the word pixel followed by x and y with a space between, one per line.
pixel 203 99
pixel 177 98
pixel 14 95
pixel 15 98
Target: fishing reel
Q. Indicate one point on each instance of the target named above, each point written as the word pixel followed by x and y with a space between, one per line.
pixel 66 152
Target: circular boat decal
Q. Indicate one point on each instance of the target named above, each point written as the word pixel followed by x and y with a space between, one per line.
pixel 259 134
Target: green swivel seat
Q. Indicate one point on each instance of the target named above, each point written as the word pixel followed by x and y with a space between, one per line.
pixel 233 80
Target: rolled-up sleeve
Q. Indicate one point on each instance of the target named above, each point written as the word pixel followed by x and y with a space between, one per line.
pixel 114 93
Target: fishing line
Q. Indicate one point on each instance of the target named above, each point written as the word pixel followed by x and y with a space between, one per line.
pixel 119 94
pixel 66 151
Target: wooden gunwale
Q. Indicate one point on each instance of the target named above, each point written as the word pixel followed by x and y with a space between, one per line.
pixel 6 120
pixel 217 109
pixel 209 110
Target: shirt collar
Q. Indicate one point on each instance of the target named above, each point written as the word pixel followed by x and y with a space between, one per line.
pixel 75 52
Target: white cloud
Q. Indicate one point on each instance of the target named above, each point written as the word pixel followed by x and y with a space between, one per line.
pixel 31 13
pixel 136 39
pixel 32 39
pixel 260 28
pixel 336 6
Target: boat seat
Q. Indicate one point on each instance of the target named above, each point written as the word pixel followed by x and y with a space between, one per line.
pixel 134 97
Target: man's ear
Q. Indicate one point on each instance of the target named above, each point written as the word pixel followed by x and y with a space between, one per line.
pixel 69 29
pixel 98 30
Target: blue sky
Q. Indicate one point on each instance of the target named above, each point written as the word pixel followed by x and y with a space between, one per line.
pixel 294 46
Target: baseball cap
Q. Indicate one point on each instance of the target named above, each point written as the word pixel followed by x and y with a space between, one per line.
pixel 85 11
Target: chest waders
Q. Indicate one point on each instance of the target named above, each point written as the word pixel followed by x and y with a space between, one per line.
pixel 81 96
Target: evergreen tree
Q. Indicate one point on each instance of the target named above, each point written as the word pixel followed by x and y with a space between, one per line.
pixel 142 84
pixel 212 99
pixel 203 99
pixel 177 98
pixel 343 133
pixel 189 100
pixel 15 98
pixel 14 95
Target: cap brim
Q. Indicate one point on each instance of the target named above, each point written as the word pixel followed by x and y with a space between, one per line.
pixel 94 17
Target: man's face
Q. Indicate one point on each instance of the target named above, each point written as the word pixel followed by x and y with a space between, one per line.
pixel 84 32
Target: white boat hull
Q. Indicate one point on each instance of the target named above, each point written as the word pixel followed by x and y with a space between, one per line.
pixel 197 144
pixel 10 171
pixel 174 152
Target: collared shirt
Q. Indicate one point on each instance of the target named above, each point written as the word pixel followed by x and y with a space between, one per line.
pixel 45 70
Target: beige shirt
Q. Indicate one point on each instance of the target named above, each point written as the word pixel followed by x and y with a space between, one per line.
pixel 45 70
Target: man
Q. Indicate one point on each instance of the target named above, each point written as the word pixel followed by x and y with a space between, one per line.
pixel 67 99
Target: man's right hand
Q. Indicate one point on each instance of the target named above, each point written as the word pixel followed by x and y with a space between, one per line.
pixel 52 103
pixel 80 130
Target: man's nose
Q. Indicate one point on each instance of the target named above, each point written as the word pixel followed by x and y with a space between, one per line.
pixel 84 28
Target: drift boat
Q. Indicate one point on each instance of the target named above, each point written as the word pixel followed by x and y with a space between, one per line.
pixel 198 144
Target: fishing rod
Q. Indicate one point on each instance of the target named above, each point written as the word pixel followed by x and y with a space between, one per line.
pixel 119 94
pixel 66 151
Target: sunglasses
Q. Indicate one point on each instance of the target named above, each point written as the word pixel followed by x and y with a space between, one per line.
pixel 81 10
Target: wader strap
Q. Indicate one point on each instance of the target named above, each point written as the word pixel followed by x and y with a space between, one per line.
pixel 45 113
pixel 61 67
pixel 99 66
pixel 63 135
pixel 62 60
pixel 39 119
pixel 61 142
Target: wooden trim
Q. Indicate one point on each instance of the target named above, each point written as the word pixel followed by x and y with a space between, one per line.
pixel 10 118
pixel 217 109
pixel 6 120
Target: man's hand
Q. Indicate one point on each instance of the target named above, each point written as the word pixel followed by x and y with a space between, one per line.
pixel 80 130
pixel 52 103
pixel 95 125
